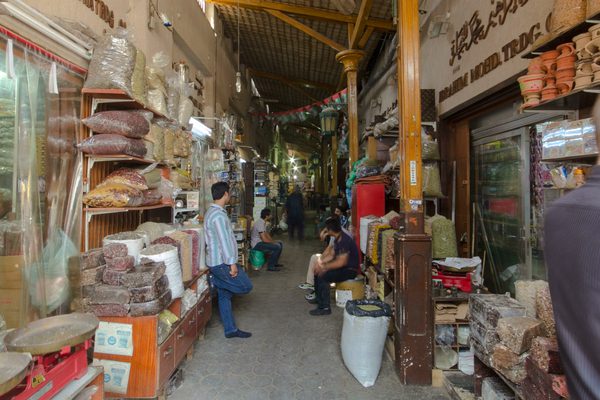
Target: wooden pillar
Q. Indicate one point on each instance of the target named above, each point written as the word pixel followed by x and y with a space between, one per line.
pixel 334 168
pixel 351 59
pixel 412 291
pixel 409 106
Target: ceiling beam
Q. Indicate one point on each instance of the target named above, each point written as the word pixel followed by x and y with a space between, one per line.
pixel 303 82
pixel 306 12
pixel 361 22
pixel 365 37
pixel 307 29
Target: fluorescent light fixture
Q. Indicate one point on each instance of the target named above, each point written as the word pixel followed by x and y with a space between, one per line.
pixel 242 161
pixel 199 129
pixel 295 168
pixel 295 176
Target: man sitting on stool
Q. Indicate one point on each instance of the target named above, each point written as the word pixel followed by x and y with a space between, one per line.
pixel 343 267
pixel 261 240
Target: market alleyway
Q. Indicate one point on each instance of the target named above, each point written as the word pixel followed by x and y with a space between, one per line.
pixel 291 354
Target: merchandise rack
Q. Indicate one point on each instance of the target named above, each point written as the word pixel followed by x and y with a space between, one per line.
pixel 100 222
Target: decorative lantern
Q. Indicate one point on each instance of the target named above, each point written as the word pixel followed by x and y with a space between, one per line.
pixel 329 121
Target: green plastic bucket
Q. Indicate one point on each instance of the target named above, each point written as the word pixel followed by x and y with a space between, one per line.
pixel 257 258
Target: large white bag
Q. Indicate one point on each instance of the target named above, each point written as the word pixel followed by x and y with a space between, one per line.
pixel 363 338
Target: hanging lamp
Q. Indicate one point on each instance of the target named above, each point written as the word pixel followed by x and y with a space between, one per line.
pixel 329 121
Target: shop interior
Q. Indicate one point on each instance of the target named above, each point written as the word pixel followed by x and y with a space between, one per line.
pixel 118 117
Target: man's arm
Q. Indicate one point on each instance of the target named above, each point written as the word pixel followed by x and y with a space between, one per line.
pixel 266 237
pixel 328 254
pixel 340 261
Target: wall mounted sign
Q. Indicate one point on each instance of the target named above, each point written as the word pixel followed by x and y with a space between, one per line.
pixel 475 30
pixel 104 12
pixel 508 51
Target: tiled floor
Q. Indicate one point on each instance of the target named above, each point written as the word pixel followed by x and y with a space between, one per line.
pixel 291 354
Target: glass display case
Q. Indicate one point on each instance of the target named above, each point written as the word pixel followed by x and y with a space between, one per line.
pixel 501 208
pixel 40 188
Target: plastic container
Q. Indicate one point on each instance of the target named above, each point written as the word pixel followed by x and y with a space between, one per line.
pixel 352 289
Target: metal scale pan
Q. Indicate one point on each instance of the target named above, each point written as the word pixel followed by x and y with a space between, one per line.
pixel 51 334
pixel 14 367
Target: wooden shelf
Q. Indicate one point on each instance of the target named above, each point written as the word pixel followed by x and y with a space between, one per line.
pixel 568 158
pixel 118 96
pixel 91 210
pixel 564 37
pixel 123 158
pixel 574 100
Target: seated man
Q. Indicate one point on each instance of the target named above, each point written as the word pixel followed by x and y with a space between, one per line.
pixel 327 255
pixel 261 240
pixel 343 267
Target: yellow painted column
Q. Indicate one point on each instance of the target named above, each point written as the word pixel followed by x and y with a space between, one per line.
pixel 351 60
pixel 334 168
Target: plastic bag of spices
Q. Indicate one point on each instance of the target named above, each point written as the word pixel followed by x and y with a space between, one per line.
pixel 432 184
pixel 113 195
pixel 107 144
pixel 133 124
pixel 139 86
pixel 112 63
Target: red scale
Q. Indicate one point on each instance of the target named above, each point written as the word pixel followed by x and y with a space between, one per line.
pixel 59 348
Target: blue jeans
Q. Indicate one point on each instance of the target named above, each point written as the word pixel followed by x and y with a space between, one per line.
pixel 322 287
pixel 272 249
pixel 227 286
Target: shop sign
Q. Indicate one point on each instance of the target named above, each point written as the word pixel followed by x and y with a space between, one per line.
pixel 475 30
pixel 104 12
pixel 508 51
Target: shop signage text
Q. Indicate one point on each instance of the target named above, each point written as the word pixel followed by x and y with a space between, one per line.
pixel 493 61
pixel 104 12
pixel 474 30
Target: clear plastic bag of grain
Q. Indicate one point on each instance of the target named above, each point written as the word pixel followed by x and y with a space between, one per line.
pixel 566 14
pixel 139 86
pixel 113 62
pixel 432 184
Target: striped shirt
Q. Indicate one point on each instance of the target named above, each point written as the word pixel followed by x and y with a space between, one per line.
pixel 221 247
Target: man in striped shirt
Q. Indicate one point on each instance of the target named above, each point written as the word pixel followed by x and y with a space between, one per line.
pixel 221 258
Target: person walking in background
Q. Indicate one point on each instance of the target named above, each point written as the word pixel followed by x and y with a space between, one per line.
pixel 221 259
pixel 572 254
pixel 261 240
pixel 294 207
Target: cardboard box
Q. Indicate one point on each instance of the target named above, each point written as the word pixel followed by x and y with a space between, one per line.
pixel 11 289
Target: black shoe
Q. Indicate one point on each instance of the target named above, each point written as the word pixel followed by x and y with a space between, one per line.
pixel 274 269
pixel 238 333
pixel 279 265
pixel 320 311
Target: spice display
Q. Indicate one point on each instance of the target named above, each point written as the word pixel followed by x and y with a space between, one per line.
pixel 144 275
pixel 157 101
pixel 151 197
pixel 388 255
pixel 108 144
pixel 152 230
pixel 132 124
pixel 545 311
pixel 443 238
pixel 195 250
pixel 107 294
pixel 181 180
pixel 109 310
pixel 157 137
pixel 139 86
pixel 151 292
pixel 567 13
pixel 92 275
pixel 430 149
pixel 167 254
pixel 113 277
pixel 126 176
pixel 92 259
pixel 432 184
pixel 113 195
pixel 114 250
pixel 183 144
pixel 517 333
pixel 120 263
pixel 112 63
pixel 185 253
pixel 188 301
pixel 150 307
pixel 133 240
pixel 169 148
pixel 489 308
